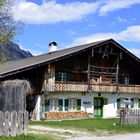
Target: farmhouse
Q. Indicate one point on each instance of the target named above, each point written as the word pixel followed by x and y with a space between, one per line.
pixel 93 80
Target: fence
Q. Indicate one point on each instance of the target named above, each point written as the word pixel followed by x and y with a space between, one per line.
pixel 130 117
pixel 13 123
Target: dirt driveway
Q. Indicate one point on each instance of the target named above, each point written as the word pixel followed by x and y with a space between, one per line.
pixel 115 137
pixel 70 134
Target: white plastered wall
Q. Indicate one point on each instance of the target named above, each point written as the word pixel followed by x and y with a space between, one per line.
pixel 109 110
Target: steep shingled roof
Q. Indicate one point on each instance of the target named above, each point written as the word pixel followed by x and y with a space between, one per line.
pixel 17 66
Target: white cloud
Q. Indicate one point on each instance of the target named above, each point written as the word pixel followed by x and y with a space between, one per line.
pixel 132 33
pixel 112 5
pixel 52 12
pixel 122 20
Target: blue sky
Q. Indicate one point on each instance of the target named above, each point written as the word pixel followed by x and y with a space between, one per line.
pixel 75 22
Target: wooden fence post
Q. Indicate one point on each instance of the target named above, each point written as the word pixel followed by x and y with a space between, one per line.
pixel 1 123
pixel 20 122
pixel 7 121
pixel 13 123
pixel 25 124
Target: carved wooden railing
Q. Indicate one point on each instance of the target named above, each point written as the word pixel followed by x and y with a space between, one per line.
pixel 84 87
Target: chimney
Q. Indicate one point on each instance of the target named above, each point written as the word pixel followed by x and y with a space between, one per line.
pixel 52 47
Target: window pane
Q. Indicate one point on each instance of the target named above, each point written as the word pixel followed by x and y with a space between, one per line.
pixel 72 104
pixel 47 105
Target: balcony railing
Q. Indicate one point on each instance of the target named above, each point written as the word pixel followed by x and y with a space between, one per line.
pixel 84 87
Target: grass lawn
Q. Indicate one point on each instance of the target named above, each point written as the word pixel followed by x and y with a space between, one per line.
pixel 91 125
pixel 30 137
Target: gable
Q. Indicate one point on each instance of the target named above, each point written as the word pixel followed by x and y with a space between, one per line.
pixel 13 67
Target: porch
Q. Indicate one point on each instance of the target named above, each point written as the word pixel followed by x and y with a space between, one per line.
pixel 85 87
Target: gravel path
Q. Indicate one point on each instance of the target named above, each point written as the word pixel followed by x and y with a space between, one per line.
pixel 62 132
pixel 115 137
pixel 69 134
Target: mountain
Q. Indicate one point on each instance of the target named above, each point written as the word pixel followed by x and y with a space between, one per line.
pixel 11 51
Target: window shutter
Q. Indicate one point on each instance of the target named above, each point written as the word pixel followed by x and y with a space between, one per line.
pixel 139 103
pixel 132 104
pixel 66 104
pixel 60 104
pixel 118 103
pixel 47 105
pixel 78 104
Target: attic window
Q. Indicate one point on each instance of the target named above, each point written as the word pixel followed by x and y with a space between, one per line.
pixel 61 76
pixel 126 80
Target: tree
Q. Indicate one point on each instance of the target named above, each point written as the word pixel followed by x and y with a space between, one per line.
pixel 8 26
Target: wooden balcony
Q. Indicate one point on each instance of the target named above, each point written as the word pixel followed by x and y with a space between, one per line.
pixel 85 87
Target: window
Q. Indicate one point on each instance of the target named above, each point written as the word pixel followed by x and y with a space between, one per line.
pixel 72 104
pixel 61 76
pixel 126 80
pixel 121 104
pixel 53 104
pixel 104 101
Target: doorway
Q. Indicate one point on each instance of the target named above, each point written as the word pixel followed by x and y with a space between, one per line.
pixel 98 106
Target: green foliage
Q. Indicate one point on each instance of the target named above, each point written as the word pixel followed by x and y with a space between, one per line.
pixel 30 137
pixel 8 26
pixel 2 57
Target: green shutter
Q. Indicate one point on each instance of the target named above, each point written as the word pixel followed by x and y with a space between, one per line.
pixel 60 104
pixel 66 104
pixel 118 103
pixel 78 104
pixel 132 104
pixel 139 103
pixel 47 105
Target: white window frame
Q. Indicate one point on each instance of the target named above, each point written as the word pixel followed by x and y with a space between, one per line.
pixel 72 103
pixel 62 76
pixel 126 80
pixel 53 104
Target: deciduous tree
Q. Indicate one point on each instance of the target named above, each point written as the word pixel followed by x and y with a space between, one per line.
pixel 8 26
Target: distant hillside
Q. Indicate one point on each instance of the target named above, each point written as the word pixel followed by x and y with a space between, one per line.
pixel 11 51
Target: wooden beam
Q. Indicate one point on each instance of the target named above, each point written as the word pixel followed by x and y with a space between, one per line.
pixel 88 75
pixel 117 75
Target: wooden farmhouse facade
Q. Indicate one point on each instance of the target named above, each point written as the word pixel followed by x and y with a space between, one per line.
pixel 91 80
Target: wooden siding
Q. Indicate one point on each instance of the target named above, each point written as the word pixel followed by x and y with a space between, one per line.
pixel 84 87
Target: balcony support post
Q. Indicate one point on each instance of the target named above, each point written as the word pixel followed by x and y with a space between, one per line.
pixel 88 75
pixel 117 75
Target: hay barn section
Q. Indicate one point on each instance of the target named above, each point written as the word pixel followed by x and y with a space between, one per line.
pixel 92 79
pixel 13 95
